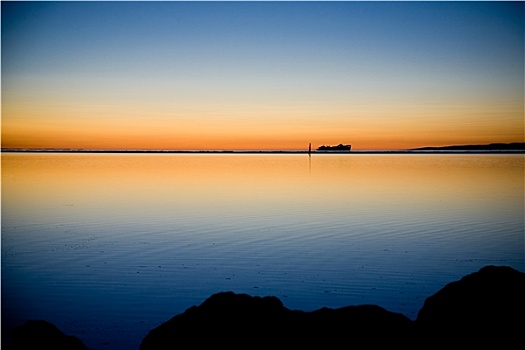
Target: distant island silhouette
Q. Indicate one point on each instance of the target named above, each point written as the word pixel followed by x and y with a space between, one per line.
pixel 515 146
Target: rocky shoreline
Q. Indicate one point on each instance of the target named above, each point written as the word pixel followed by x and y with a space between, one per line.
pixel 485 308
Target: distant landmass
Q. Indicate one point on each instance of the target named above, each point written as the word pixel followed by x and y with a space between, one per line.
pixel 515 146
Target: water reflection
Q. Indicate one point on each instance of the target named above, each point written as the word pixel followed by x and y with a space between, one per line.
pixel 92 234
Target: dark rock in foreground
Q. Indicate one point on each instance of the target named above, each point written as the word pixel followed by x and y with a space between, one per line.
pixel 485 309
pixel 34 335
pixel 240 320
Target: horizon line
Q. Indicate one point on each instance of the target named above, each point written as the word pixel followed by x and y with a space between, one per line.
pixel 160 151
pixel 492 147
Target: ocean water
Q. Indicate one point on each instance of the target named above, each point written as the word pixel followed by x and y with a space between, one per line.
pixel 109 246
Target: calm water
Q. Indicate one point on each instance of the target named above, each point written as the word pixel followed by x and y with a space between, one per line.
pixel 109 246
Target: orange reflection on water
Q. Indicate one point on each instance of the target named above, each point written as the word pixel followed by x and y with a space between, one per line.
pixel 132 186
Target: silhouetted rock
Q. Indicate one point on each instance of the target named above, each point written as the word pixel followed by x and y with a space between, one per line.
pixel 37 334
pixel 485 308
pixel 240 320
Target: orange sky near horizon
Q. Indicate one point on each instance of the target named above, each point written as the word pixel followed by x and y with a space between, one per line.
pixel 32 125
pixel 164 140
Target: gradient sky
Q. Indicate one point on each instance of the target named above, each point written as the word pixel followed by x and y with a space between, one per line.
pixel 261 75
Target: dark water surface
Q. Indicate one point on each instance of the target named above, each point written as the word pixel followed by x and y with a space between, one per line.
pixel 109 246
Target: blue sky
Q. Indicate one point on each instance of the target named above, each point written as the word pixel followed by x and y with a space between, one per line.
pixel 380 66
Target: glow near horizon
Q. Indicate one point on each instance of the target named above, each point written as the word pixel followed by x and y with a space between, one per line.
pixel 261 75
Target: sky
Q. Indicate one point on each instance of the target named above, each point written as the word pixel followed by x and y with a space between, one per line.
pixel 261 75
